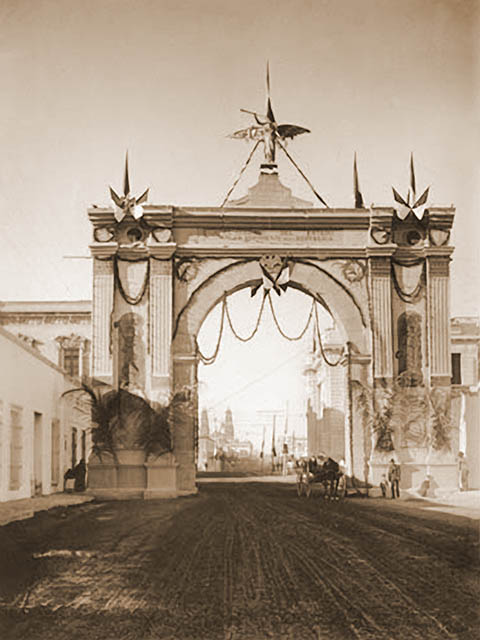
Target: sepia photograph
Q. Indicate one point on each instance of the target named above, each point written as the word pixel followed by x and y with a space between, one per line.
pixel 240 320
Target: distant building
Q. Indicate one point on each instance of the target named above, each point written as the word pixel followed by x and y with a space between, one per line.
pixel 465 354
pixel 228 429
pixel 325 399
pixel 206 444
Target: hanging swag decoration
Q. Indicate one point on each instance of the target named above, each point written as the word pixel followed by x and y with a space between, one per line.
pixel 312 317
pixel 132 277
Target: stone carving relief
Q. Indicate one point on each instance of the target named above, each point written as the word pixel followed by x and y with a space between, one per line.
pixel 73 341
pixel 131 353
pixel 162 234
pixel 409 354
pixel 439 237
pixel 380 235
pixel 352 270
pixel 104 234
pixel 186 269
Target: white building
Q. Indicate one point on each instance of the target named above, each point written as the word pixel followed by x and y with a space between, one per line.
pixel 44 429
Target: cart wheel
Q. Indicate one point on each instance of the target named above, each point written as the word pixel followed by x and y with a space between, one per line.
pixel 308 489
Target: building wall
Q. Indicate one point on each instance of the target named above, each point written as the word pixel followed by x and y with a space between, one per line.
pixel 465 342
pixel 49 325
pixel 31 410
pixel 326 402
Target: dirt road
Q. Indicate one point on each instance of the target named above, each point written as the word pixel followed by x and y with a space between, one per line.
pixel 239 561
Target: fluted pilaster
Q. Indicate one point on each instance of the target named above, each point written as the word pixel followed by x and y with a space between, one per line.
pixel 439 325
pixel 102 309
pixel 382 317
pixel 161 316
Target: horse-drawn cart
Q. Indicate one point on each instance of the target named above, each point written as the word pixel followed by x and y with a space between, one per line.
pixel 333 481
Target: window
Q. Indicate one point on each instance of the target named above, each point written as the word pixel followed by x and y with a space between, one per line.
pixel 71 361
pixel 16 448
pixel 456 368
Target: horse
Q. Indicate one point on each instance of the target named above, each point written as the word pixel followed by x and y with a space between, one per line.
pixel 327 473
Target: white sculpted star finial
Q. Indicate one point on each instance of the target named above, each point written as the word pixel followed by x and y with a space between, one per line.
pixel 406 207
pixel 127 204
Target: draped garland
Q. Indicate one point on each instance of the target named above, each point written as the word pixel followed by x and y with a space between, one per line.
pixel 409 297
pixel 132 301
pixel 312 317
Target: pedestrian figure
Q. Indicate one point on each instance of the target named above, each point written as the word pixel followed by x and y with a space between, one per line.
pixel 394 478
pixel 80 472
pixel 384 485
pixel 68 475
pixel 462 472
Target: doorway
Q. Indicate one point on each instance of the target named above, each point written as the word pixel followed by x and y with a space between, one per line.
pixel 37 453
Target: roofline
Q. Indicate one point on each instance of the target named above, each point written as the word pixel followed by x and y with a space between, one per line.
pixel 33 352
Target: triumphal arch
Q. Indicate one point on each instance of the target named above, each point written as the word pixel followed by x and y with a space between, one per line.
pixel 382 272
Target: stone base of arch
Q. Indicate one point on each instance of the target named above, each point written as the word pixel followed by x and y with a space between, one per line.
pixel 131 476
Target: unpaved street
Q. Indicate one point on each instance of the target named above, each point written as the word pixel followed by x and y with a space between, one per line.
pixel 240 561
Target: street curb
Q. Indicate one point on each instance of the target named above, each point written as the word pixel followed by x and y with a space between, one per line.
pixel 16 510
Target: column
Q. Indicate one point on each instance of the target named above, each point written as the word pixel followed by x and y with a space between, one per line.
pixel 160 316
pixel 102 310
pixel 439 319
pixel 380 272
pixel 185 419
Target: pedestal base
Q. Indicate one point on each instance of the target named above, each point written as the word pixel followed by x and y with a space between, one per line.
pixel 442 476
pixel 133 477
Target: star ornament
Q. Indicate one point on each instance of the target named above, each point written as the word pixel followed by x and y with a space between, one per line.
pixel 128 204
pixel 406 208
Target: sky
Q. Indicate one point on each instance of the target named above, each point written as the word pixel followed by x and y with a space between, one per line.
pixel 263 377
pixel 82 82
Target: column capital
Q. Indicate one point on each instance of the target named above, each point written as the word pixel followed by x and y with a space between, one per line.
pixel 439 265
pixel 162 251
pixel 380 266
pixel 103 249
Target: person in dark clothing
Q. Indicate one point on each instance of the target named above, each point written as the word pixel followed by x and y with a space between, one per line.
pixel 394 478
pixel 68 475
pixel 80 472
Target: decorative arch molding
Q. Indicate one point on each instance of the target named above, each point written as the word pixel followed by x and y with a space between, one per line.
pixel 310 278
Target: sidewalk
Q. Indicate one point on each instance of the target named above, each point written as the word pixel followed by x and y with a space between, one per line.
pixel 27 507
pixel 459 503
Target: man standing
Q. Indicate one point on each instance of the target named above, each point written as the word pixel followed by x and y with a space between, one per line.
pixel 462 472
pixel 394 478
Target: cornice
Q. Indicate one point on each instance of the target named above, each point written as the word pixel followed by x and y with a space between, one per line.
pixel 267 219
pixel 383 251
pixel 204 251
